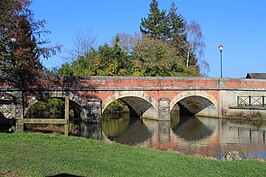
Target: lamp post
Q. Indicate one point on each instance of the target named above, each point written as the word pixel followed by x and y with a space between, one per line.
pixel 221 47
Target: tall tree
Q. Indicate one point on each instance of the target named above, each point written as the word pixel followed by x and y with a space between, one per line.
pixel 177 34
pixel 21 44
pixel 156 25
pixel 121 57
pixel 196 45
pixel 173 28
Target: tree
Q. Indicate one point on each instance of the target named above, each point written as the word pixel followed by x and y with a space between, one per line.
pixel 173 28
pixel 177 34
pixel 121 58
pixel 83 43
pixel 156 25
pixel 21 45
pixel 196 45
pixel 107 60
pixel 65 70
pixel 154 57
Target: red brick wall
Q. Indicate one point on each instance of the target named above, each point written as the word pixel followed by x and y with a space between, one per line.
pixel 245 83
pixel 134 82
pixel 167 87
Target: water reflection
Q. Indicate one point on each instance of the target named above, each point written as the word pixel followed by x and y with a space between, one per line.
pixel 190 135
pixel 134 134
pixel 93 131
pixel 192 129
pixel 114 125
pixel 247 137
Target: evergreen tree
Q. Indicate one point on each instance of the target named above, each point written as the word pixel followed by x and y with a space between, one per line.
pixel 65 70
pixel 122 58
pixel 177 33
pixel 156 25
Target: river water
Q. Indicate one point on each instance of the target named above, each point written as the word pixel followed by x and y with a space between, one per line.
pixel 203 136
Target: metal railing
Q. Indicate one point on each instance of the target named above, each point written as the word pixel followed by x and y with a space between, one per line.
pixel 251 101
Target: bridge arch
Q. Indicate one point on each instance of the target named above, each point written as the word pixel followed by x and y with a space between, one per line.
pixel 195 101
pixel 76 102
pixel 138 101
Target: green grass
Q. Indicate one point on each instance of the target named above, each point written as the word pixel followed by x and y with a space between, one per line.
pixel 29 154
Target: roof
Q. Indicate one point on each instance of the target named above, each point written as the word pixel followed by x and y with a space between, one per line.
pixel 256 76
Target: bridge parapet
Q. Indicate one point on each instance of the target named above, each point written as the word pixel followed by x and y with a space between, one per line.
pixel 95 83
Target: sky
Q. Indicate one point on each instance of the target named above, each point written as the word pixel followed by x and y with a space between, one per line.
pixel 239 25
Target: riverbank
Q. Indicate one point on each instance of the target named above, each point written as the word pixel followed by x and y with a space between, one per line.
pixel 30 154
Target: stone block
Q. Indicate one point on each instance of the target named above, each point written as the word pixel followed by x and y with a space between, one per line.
pixel 164 109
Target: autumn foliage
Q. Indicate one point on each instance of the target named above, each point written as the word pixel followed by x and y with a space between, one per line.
pixel 21 43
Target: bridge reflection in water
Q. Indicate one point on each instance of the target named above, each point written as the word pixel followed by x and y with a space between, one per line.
pixel 187 134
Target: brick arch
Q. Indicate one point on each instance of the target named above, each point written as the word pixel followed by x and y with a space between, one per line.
pixel 187 94
pixel 56 94
pixel 124 94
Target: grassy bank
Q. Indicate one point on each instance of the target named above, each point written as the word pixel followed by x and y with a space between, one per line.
pixel 28 154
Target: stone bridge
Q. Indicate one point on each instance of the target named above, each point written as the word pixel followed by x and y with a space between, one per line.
pixel 147 97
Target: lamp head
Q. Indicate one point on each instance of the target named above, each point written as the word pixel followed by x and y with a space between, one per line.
pixel 221 47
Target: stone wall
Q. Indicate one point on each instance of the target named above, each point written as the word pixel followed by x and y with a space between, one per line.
pixel 10 105
pixel 230 109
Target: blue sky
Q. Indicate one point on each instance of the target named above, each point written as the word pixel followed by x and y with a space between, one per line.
pixel 240 25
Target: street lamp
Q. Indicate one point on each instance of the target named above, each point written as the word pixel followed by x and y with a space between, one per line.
pixel 221 47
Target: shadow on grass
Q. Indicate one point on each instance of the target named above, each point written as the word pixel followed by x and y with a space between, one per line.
pixel 64 175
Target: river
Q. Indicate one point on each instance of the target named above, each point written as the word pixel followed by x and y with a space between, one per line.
pixel 203 136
